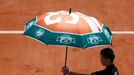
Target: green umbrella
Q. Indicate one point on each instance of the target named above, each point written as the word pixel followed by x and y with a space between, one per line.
pixel 72 29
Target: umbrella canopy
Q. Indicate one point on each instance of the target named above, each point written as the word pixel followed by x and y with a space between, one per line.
pixel 68 29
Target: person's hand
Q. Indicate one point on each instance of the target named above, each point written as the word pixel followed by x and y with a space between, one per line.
pixel 65 70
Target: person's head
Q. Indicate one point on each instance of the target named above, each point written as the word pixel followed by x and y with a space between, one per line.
pixel 107 56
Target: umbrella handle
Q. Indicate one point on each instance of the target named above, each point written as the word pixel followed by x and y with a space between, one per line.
pixel 66 58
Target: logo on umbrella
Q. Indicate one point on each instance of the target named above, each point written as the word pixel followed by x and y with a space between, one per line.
pixel 93 39
pixel 39 33
pixel 65 39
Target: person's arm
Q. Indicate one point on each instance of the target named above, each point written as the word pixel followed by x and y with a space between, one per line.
pixel 101 72
pixel 75 73
pixel 66 70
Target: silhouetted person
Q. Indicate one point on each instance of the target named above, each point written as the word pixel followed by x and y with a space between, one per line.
pixel 106 57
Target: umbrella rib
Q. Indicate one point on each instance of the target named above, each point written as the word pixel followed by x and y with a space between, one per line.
pixel 20 32
pixel 80 36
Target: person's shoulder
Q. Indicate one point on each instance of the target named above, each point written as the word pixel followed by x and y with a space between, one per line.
pixel 114 67
pixel 111 70
pixel 114 70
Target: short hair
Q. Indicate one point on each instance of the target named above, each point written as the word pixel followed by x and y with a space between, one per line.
pixel 108 53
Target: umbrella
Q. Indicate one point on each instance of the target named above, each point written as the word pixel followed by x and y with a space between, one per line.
pixel 70 29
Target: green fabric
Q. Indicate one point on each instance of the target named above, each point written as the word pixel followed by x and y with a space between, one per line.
pixel 67 39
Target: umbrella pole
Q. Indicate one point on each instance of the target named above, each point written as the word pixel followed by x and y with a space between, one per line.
pixel 66 58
